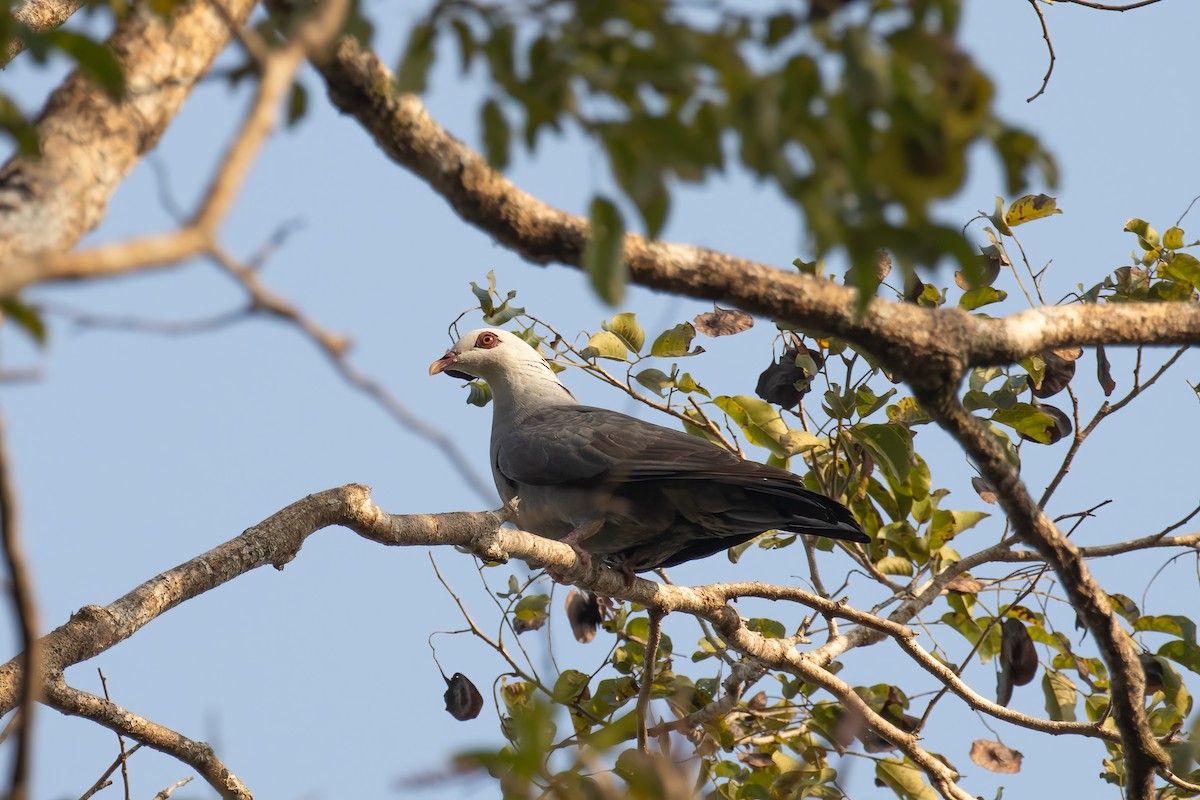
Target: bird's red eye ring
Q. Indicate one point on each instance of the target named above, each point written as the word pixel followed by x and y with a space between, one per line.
pixel 487 339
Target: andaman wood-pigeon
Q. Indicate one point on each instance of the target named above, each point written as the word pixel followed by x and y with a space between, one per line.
pixel 637 495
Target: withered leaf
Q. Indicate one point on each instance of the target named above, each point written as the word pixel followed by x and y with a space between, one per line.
pixel 463 700
pixel 1018 659
pixel 723 322
pixel 995 757
pixel 965 584
pixel 785 382
pixel 1104 372
pixel 984 489
pixel 1060 369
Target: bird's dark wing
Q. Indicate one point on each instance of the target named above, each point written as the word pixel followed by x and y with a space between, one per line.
pixel 582 444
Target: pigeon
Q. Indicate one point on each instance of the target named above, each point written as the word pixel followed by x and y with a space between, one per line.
pixel 636 495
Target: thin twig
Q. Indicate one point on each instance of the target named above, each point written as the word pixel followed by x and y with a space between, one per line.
pixel 103 781
pixel 1049 46
pixel 167 792
pixel 654 633
pixel 26 612
pixel 120 739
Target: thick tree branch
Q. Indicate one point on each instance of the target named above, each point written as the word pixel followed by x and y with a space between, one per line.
pixel 926 345
pixel 37 16
pixel 90 141
pixel 279 538
pixel 1143 754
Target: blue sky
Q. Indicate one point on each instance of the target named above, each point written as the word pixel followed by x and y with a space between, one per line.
pixel 135 452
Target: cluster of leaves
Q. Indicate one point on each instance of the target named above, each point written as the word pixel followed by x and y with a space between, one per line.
pixel 862 114
pixel 823 409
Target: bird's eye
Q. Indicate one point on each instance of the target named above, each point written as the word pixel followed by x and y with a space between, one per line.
pixel 488 339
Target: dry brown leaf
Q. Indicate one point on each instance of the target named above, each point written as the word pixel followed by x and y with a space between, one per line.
pixel 995 757
pixel 723 322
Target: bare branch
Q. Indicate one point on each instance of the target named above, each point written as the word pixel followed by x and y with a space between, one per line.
pixel 197 755
pixel 1111 7
pixel 1049 47
pixel 167 792
pixel 103 781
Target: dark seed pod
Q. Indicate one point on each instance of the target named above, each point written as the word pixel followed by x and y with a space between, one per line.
pixel 463 700
pixel 583 612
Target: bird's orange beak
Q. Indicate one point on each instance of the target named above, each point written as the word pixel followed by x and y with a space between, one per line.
pixel 443 363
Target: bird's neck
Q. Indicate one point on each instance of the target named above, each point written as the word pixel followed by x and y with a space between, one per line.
pixel 525 388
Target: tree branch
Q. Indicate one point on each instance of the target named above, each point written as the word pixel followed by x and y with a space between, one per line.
pixel 1143 754
pixel 90 142
pixel 25 610
pixel 918 344
pixel 37 16
pixel 279 538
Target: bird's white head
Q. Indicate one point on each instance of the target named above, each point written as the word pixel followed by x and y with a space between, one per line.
pixel 518 375
pixel 485 353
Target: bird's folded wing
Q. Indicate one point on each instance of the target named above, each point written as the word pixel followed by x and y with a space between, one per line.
pixel 582 444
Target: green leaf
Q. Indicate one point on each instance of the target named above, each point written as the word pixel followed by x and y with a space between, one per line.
pixel 1181 627
pixel 297 104
pixel 497 135
pixel 604 344
pixel 1028 420
pixel 1061 695
pixel 894 565
pixel 531 607
pixel 626 326
pixel 1172 238
pixel 769 628
pixel 1184 267
pixel 484 296
pixel 759 420
pixel 25 317
pixel 568 687
pixel 1186 654
pixel 984 295
pixel 948 524
pixel 480 393
pixel 1029 208
pixel 655 380
pixel 413 72
pixel 503 313
pixel 687 383
pixel 95 60
pixel 1147 235
pixel 904 779
pixel 890 444
pixel 997 218
pixel 603 257
pixel 674 343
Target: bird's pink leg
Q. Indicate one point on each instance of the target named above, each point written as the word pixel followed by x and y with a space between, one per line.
pixel 574 539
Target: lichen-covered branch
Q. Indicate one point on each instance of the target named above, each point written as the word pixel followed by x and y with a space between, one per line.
pixel 90 141
pixel 919 344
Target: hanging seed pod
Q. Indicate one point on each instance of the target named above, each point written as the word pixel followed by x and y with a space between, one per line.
pixel 583 612
pixel 463 700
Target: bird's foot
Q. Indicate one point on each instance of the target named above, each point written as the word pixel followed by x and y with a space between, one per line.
pixel 627 573
pixel 583 563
